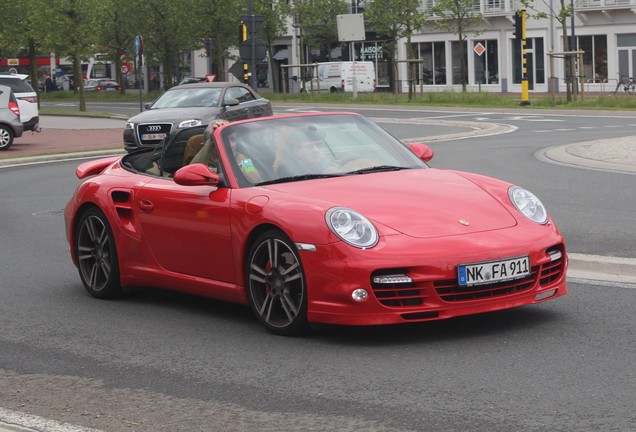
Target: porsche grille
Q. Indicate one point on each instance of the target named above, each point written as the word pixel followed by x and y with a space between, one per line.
pixel 416 293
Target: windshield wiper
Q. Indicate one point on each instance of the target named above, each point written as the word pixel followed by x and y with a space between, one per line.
pixel 377 168
pixel 297 178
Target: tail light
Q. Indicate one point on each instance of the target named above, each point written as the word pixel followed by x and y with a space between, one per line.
pixel 31 99
pixel 100 88
pixel 15 109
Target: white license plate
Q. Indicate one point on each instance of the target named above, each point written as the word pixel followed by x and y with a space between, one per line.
pixel 493 271
pixel 150 137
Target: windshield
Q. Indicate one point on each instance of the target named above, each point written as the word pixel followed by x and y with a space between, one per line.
pixel 193 97
pixel 305 147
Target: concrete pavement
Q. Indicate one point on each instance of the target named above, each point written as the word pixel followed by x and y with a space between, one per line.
pixel 79 137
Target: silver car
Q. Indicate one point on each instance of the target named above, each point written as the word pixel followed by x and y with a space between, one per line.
pixel 191 105
pixel 10 124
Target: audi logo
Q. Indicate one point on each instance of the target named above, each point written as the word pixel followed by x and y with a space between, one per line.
pixel 153 128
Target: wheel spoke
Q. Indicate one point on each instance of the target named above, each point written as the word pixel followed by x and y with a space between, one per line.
pixel 90 228
pixel 92 280
pixel 261 276
pixel 272 250
pixel 288 306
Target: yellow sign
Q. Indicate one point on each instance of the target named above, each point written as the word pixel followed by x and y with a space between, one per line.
pixel 13 62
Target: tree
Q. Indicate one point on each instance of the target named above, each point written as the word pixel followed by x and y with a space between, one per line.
pixel 219 20
pixel 395 20
pixel 117 33
pixel 561 16
pixel 69 28
pixel 274 26
pixel 457 16
pixel 15 41
pixel 316 21
pixel 169 29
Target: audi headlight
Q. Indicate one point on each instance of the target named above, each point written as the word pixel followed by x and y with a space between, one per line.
pixel 190 123
pixel 351 227
pixel 130 125
pixel 528 204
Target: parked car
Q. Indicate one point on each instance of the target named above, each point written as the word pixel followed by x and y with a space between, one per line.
pixel 191 105
pixel 27 99
pixel 312 218
pixel 101 85
pixel 193 80
pixel 10 125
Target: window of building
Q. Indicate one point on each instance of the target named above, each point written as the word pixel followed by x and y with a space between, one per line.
pixel 373 51
pixel 486 61
pixel 456 59
pixel 594 58
pixel 432 69
pixel 535 62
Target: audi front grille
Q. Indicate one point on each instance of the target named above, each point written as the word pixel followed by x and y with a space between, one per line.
pixel 150 134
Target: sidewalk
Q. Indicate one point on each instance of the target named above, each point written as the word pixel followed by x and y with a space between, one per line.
pixel 68 135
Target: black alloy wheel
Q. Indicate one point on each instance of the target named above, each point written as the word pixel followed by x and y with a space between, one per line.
pixel 276 284
pixel 97 255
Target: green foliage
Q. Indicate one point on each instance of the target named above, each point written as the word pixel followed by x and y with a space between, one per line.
pixel 317 21
pixel 461 99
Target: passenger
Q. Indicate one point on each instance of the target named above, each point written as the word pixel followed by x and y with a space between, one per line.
pixel 244 162
pixel 209 153
pixel 307 147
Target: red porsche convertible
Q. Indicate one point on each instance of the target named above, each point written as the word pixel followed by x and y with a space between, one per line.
pixel 312 218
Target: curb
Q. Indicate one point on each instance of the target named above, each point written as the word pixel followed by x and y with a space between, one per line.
pixel 32 160
pixel 602 268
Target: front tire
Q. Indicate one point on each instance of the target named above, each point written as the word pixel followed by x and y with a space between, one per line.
pixel 97 255
pixel 276 284
pixel 6 137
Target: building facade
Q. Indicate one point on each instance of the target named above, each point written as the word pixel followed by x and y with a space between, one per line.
pixel 604 30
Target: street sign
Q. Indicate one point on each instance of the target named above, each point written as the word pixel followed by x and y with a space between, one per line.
pixel 479 49
pixel 124 69
pixel 260 49
pixel 256 19
pixel 350 27
pixel 139 45
pixel 237 70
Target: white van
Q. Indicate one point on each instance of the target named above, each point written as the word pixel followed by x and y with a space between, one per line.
pixel 338 77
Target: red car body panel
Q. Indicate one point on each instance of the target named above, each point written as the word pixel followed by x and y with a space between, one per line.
pixel 195 239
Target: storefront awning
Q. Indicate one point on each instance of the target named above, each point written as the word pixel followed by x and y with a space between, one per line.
pixel 282 54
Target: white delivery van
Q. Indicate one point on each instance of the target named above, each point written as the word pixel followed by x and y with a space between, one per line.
pixel 338 77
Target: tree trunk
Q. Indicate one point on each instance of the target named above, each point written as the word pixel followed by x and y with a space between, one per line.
pixel 79 79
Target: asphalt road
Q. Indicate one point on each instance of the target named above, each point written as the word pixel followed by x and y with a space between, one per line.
pixel 160 361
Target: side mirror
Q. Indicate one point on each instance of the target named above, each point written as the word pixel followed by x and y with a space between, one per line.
pixel 147 105
pixel 422 151
pixel 231 102
pixel 196 175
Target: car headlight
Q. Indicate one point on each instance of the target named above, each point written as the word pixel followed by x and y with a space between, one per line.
pixel 130 125
pixel 351 227
pixel 190 123
pixel 528 204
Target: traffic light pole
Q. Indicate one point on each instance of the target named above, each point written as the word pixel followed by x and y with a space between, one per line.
pixel 524 77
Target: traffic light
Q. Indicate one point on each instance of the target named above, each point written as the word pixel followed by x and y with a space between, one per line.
pixel 518 26
pixel 242 32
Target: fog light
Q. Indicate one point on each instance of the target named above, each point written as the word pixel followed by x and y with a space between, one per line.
pixel 544 295
pixel 359 294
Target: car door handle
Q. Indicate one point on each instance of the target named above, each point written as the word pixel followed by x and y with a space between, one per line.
pixel 146 205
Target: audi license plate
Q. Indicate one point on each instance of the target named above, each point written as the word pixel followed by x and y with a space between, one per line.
pixel 493 271
pixel 153 136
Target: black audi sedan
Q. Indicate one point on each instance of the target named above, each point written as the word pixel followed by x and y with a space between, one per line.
pixel 190 105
